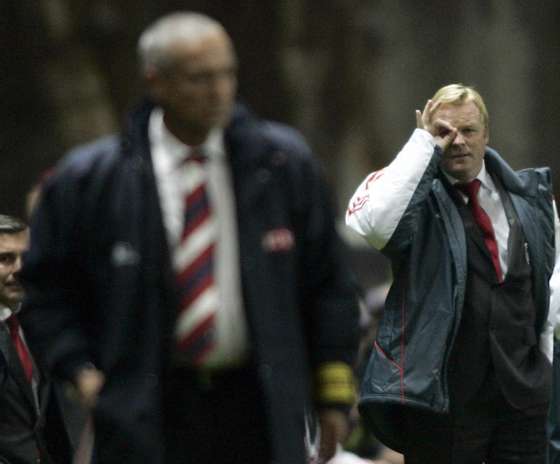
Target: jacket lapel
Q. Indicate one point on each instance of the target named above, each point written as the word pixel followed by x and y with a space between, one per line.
pixel 14 365
pixel 4 342
pixel 475 236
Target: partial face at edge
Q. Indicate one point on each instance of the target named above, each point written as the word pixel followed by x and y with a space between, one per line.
pixel 12 246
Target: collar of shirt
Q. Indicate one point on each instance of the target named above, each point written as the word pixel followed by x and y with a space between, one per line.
pixel 486 182
pixel 5 313
pixel 174 150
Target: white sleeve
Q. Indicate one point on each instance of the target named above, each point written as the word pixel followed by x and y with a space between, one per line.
pixel 553 321
pixel 378 204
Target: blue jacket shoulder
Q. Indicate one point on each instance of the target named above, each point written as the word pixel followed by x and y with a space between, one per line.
pixel 82 159
pixel 286 138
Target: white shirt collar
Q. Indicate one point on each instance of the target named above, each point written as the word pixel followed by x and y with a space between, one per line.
pixel 5 313
pixel 174 149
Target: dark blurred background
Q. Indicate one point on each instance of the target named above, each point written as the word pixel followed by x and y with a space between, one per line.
pixel 347 73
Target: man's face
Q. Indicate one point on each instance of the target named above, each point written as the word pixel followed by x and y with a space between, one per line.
pixel 11 248
pixel 198 89
pixel 463 159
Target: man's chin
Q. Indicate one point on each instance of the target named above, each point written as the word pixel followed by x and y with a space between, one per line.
pixel 13 298
pixel 458 167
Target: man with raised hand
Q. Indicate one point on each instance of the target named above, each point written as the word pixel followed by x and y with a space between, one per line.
pixel 461 367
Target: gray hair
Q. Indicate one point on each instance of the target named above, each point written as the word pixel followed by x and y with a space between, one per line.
pixel 156 38
pixel 11 224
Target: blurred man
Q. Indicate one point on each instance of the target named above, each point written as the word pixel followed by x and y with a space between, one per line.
pixel 461 370
pixel 187 276
pixel 31 428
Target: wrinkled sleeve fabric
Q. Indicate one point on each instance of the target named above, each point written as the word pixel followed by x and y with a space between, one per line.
pixel 553 320
pixel 554 314
pixel 550 343
pixel 379 204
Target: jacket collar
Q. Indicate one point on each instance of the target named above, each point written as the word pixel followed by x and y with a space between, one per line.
pixel 238 133
pixel 510 179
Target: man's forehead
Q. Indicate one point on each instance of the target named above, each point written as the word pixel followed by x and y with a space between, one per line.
pixel 211 42
pixel 13 241
pixel 466 112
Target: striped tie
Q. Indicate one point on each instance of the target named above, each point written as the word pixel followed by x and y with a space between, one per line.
pixel 194 266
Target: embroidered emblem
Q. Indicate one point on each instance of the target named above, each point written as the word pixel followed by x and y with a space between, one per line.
pixel 359 201
pixel 278 240
pixel 357 204
pixel 374 176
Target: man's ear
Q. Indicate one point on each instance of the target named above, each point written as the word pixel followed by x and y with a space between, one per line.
pixel 154 83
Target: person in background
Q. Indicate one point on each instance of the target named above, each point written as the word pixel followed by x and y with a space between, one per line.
pixel 461 367
pixel 186 275
pixel 32 430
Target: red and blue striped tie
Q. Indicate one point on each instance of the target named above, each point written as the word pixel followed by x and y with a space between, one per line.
pixel 194 266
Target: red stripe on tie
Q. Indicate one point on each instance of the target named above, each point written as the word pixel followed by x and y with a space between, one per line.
pixel 191 269
pixel 196 194
pixel 197 332
pixel 194 224
pixel 188 299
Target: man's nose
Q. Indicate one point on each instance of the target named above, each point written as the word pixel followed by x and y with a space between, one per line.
pixel 17 265
pixel 459 139
pixel 221 84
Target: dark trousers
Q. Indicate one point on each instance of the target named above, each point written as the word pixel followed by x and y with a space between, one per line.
pixel 211 418
pixel 490 432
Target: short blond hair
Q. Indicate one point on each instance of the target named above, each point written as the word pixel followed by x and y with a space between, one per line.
pixel 457 94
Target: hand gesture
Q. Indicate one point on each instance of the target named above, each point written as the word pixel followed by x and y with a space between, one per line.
pixel 442 131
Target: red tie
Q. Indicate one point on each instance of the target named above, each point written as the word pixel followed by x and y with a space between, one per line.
pixel 471 189
pixel 22 351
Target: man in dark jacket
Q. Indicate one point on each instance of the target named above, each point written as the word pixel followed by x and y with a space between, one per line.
pixel 187 276
pixel 31 426
pixel 461 368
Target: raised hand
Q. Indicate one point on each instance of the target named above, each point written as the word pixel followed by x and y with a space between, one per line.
pixel 443 132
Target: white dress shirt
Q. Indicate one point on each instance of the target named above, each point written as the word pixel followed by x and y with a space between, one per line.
pixel 167 153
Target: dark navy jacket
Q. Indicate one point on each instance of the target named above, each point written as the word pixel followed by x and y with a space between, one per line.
pixel 100 289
